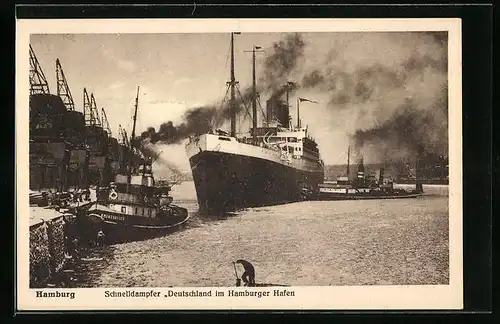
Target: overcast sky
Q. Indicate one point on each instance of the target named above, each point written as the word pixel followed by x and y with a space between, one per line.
pixel 179 71
pixel 174 71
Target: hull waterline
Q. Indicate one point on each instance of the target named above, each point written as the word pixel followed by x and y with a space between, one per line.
pixel 365 197
pixel 228 182
pixel 119 228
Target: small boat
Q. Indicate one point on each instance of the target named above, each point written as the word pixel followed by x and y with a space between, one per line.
pixel 133 207
pixel 238 284
pixel 364 188
pixel 269 285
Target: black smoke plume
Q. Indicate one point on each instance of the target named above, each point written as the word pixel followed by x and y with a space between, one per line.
pixel 282 60
pixel 398 107
pixel 198 120
pixel 405 134
pixel 401 109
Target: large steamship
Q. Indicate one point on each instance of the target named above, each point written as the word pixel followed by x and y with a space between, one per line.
pixel 272 164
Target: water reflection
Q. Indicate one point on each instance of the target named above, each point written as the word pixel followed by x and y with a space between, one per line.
pixel 306 243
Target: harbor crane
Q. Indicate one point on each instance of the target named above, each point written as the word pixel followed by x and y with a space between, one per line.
pixel 63 90
pixel 95 113
pixel 104 122
pixel 122 137
pixel 89 110
pixel 38 82
pixel 123 134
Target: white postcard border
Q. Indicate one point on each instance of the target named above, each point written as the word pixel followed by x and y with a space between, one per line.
pixel 339 297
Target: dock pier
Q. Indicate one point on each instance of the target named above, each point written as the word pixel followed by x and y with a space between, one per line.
pixel 47 245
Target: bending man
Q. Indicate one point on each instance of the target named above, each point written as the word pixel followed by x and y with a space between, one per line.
pixel 248 276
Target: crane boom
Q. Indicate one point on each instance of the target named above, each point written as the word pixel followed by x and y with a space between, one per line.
pixel 63 90
pixel 95 113
pixel 87 109
pixel 123 136
pixel 38 82
pixel 104 122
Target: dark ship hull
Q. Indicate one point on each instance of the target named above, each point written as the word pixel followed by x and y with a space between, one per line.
pixel 227 182
pixel 365 196
pixel 424 181
pixel 121 228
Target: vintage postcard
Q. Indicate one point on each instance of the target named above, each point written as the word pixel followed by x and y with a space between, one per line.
pixel 239 164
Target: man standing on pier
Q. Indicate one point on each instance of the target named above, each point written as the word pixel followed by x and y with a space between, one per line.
pixel 100 238
pixel 248 276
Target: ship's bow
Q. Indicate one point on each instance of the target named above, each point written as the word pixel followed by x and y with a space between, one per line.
pixel 210 169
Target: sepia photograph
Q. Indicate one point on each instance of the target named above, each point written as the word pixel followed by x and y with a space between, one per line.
pixel 251 160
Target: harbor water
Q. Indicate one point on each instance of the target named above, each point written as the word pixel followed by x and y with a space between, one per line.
pixel 311 243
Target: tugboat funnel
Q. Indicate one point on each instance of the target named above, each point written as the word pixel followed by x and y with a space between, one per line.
pixel 418 183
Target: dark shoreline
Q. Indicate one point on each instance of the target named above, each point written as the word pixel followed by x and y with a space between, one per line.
pixel 79 271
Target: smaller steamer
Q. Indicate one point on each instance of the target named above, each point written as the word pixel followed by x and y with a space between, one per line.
pixel 364 187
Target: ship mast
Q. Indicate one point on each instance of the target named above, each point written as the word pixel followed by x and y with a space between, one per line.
pixel 232 84
pixel 135 120
pixel 298 113
pixel 348 155
pixel 288 87
pixel 288 100
pixel 129 176
pixel 254 97
pixel 255 49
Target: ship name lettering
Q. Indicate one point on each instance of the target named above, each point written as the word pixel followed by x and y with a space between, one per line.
pixel 114 217
pixel 185 293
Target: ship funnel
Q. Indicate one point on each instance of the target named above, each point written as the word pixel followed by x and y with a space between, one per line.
pixel 381 176
pixel 361 169
pixel 418 182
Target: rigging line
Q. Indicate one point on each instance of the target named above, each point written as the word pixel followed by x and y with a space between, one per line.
pixel 225 67
pixel 341 159
pixel 224 99
pixel 260 106
pixel 217 113
pixel 239 122
pixel 243 101
pixel 227 56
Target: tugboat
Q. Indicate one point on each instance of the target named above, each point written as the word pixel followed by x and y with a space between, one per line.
pixel 364 187
pixel 133 207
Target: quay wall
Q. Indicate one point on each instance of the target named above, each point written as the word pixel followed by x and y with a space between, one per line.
pixel 47 250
